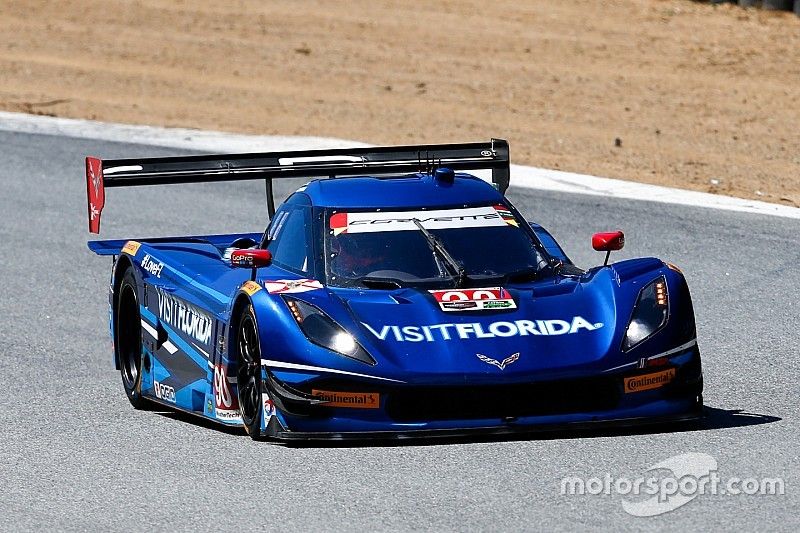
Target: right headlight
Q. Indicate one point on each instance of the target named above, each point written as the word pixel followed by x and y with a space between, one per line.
pixel 324 331
pixel 649 315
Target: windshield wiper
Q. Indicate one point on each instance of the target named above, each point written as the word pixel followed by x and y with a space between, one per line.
pixel 525 274
pixel 441 252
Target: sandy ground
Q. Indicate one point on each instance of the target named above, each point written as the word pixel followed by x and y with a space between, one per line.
pixel 699 96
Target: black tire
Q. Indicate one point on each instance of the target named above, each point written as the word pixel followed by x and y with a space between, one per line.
pixel 128 339
pixel 248 375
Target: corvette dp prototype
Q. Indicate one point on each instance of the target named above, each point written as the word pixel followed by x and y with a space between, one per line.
pixel 393 295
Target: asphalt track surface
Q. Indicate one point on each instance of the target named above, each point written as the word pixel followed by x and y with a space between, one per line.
pixel 76 456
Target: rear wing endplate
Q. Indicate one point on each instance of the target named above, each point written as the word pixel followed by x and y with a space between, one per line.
pixel 274 165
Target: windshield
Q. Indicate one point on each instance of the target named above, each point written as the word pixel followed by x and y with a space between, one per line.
pixel 363 248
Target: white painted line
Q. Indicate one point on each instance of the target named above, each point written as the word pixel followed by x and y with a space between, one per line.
pixel 123 168
pixel 554 180
pixel 680 348
pixel 522 177
pixel 202 351
pixel 149 329
pixel 295 366
pixel 171 348
pixel 289 161
pixel 185 139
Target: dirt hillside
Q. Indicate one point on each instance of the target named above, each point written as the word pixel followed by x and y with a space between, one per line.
pixel 700 96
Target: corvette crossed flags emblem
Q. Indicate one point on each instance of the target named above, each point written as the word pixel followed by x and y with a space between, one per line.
pixel 499 364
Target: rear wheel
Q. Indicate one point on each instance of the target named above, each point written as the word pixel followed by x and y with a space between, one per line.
pixel 128 339
pixel 249 372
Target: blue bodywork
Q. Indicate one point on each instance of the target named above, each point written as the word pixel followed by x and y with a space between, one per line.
pixel 566 332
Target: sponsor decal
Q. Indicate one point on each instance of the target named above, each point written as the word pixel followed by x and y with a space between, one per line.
pixel 184 317
pixel 164 392
pixel 250 288
pixel 371 222
pixel 353 400
pixel 649 381
pixel 209 406
pixel 227 404
pixel 290 286
pixel 499 364
pixel 95 173
pixel 228 414
pixel 269 407
pixel 476 330
pixel 95 193
pixel 506 215
pixel 474 299
pixel 249 257
pixel 153 266
pixel 131 247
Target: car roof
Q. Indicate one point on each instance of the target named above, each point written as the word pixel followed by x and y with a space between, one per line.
pixel 411 190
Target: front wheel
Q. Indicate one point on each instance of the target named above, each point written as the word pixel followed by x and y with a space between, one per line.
pixel 128 340
pixel 249 372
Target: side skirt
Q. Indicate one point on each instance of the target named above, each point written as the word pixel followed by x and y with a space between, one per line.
pixel 174 407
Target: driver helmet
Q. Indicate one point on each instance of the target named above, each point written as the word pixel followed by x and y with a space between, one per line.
pixel 357 255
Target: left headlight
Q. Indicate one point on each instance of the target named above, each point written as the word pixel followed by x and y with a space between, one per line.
pixel 649 315
pixel 324 331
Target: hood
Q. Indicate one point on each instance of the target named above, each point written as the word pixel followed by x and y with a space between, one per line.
pixel 557 327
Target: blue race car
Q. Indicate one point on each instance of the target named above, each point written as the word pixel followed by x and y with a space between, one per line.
pixel 395 296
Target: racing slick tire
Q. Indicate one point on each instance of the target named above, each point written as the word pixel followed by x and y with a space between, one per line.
pixel 128 340
pixel 248 376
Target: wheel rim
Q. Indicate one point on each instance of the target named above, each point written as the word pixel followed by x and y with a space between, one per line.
pixel 129 336
pixel 249 372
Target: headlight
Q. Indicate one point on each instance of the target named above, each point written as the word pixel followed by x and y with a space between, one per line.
pixel 649 315
pixel 323 331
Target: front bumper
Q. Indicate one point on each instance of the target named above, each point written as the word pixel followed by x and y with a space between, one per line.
pixel 406 411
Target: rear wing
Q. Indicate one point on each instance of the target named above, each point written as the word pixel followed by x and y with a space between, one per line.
pixel 101 174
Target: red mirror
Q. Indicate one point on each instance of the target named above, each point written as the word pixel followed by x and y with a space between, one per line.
pixel 251 258
pixel 608 241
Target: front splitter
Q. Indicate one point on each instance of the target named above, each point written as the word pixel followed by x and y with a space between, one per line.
pixel 695 415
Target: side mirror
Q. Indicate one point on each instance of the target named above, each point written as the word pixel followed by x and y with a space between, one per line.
pixel 608 242
pixel 251 258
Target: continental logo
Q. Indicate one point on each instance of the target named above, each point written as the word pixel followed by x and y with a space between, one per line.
pixel 649 381
pixel 353 400
pixel 131 247
pixel 250 288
